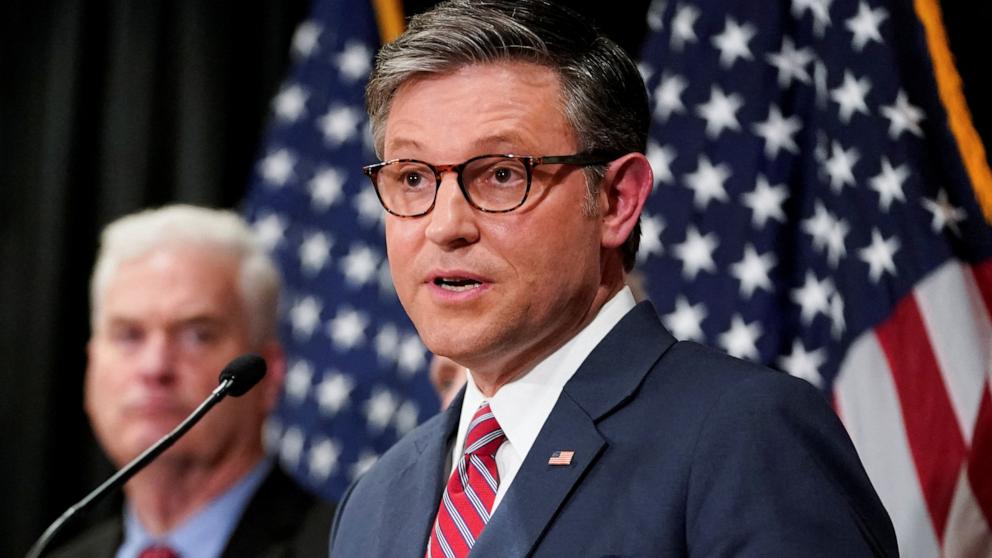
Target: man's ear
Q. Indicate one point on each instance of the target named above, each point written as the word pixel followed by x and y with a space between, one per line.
pixel 625 188
pixel 275 360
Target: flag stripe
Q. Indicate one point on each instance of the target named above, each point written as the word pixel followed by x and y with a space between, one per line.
pixel 983 280
pixel 867 399
pixel 934 437
pixel 971 535
pixel 980 463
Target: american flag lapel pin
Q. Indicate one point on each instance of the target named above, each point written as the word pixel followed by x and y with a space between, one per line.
pixel 561 458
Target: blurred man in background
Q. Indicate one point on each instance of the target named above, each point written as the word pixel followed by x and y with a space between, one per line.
pixel 177 293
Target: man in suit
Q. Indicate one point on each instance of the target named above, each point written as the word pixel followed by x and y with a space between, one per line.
pixel 177 293
pixel 512 136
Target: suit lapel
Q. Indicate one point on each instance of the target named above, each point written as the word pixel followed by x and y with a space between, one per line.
pixel 607 379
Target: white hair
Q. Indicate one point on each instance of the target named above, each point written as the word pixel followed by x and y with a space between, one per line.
pixel 138 234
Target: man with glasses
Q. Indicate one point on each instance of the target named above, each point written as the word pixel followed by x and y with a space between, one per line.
pixel 512 137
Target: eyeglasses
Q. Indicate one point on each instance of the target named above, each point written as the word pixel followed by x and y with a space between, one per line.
pixel 490 183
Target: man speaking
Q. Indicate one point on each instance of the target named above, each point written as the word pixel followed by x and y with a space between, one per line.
pixel 512 137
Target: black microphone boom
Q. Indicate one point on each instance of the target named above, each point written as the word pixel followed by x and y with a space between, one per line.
pixel 239 376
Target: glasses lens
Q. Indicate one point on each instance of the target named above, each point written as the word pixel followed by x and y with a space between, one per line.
pixel 406 187
pixel 496 183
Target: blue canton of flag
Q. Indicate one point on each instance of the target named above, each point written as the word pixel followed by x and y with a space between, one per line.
pixel 811 212
pixel 356 377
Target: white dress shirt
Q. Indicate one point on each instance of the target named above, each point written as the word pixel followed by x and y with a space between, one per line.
pixel 522 406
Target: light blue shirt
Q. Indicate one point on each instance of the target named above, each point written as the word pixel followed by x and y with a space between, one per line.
pixel 205 533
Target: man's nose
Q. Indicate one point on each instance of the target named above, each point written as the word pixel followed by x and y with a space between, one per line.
pixel 156 361
pixel 453 219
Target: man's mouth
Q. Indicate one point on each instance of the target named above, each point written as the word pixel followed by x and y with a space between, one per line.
pixel 456 284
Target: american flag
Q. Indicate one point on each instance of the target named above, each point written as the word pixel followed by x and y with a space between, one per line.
pixel 561 458
pixel 811 211
pixel 356 377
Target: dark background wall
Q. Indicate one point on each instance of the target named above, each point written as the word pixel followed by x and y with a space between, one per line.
pixel 108 106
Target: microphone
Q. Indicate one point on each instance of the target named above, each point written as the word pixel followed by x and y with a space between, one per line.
pixel 239 376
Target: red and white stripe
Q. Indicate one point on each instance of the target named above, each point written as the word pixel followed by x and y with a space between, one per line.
pixel 915 396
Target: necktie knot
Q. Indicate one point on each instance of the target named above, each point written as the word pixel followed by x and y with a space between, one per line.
pixel 158 551
pixel 485 435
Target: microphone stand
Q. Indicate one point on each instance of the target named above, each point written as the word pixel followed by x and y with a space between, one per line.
pixel 129 470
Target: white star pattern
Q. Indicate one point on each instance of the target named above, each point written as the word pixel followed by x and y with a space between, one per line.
pixel 387 342
pixel 410 356
pixel 778 131
pixel 752 271
pixel 878 255
pixel 277 167
pixel 324 456
pixel 651 228
pixel 339 124
pixel 836 244
pixel 315 250
pixel 333 392
pixel 655 12
pixel 707 182
pixel 298 379
pixel 291 447
pixel 840 166
pixel 820 10
pixel 354 62
pixel 720 112
pixel 903 116
pixel 732 42
pixel 682 26
pixel 370 211
pixel 791 63
pixel 888 184
pixel 696 252
pixel 347 329
pixel 360 265
pixel 686 321
pixel 850 96
pixel 837 316
pixel 305 317
pixel 804 364
pixel 290 103
pixel 379 409
pixel 270 230
pixel 944 214
pixel 661 158
pixel 668 96
pixel 813 298
pixel 306 38
pixel 864 26
pixel 741 340
pixel 365 461
pixel 766 202
pixel 406 417
pixel 819 226
pixel 325 188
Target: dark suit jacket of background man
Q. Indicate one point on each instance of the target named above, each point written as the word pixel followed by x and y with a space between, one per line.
pixel 280 521
pixel 679 450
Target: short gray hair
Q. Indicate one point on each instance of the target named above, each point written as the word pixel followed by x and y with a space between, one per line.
pixel 141 233
pixel 604 98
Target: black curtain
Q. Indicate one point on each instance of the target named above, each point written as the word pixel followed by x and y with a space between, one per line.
pixel 108 106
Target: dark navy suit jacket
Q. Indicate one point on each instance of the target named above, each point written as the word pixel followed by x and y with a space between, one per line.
pixel 679 451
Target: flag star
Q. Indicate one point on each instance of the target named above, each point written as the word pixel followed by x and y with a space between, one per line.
pixel 651 228
pixel 290 103
pixel 878 255
pixel 766 202
pixel 291 446
pixel 804 364
pixel 365 462
pixel 324 456
pixel 720 112
pixel 661 157
pixel 682 31
pixel 333 392
pixel 347 329
pixel 325 188
pixel 707 182
pixel 741 339
pixel 820 84
pixel 314 252
pixel 888 184
pixel 354 62
pixel 668 96
pixel 696 252
pixel 813 297
pixel 386 279
pixel 820 10
pixel 306 37
pixel 864 26
pixel 686 321
pixel 379 409
pixel 840 166
pixel 406 417
pixel 778 131
pixel 656 12
pixel 791 63
pixel 339 124
pixel 752 271
pixel 837 316
pixel 903 116
pixel 369 209
pixel 851 96
pixel 305 316
pixel 646 71
pixel 387 343
pixel 410 356
pixel 819 226
pixel 835 241
pixel 360 265
pixel 944 214
pixel 271 434
pixel 270 230
pixel 298 379
pixel 277 167
pixel 732 42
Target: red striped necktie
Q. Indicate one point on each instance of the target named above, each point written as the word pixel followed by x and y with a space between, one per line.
pixel 471 490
